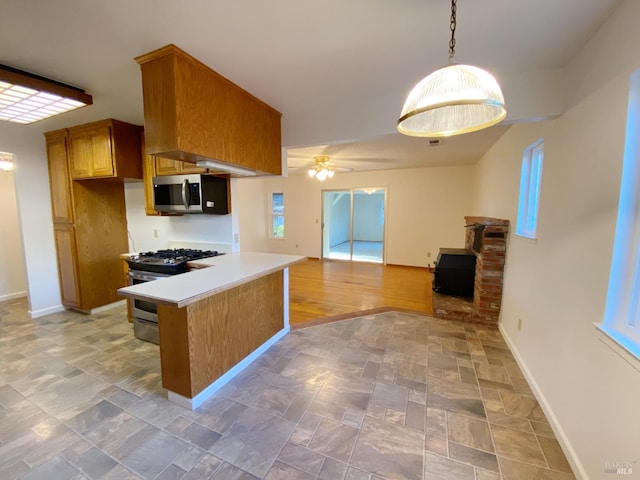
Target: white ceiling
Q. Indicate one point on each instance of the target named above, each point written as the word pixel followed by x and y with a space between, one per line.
pixel 398 151
pixel 338 70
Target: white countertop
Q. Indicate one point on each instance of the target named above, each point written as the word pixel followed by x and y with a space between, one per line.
pixel 225 272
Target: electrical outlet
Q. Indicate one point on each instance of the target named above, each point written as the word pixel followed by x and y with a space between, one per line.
pixel 519 324
pixel 428 254
pixel 155 233
pixel 296 245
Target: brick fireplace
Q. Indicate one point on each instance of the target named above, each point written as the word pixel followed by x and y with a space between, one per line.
pixel 487 237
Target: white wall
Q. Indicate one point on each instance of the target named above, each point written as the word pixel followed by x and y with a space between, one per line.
pixel 31 177
pixel 155 232
pixel 13 282
pixel 558 284
pixel 425 211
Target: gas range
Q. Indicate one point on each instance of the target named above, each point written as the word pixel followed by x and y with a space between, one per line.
pixel 168 262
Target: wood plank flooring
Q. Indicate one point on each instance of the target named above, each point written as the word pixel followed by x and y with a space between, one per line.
pixel 321 289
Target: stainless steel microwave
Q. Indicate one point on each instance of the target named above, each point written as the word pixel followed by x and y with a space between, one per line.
pixel 191 194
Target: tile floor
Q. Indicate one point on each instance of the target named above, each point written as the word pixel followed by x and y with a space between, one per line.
pixel 388 396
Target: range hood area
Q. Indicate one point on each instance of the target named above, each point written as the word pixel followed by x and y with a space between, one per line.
pixel 193 114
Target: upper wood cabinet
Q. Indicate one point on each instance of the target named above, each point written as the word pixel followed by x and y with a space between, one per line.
pixel 165 166
pixel 192 113
pixel 108 148
pixel 61 201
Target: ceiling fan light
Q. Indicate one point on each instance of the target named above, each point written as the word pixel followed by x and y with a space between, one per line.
pixel 322 169
pixel 322 175
pixel 6 165
pixel 453 100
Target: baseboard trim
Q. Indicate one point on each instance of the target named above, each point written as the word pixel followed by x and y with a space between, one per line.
pixel 12 296
pixel 46 311
pixel 561 436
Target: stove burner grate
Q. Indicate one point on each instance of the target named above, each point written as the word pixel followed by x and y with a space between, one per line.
pixel 169 261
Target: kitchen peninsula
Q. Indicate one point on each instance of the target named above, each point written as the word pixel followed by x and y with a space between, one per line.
pixel 214 321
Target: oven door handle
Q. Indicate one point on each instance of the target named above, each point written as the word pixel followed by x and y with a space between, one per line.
pixel 186 200
pixel 136 275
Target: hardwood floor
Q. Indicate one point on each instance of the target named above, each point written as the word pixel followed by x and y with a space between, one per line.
pixel 321 289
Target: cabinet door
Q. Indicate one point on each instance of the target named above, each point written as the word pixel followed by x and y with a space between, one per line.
pixel 101 159
pixel 80 154
pixel 164 166
pixel 189 168
pixel 148 173
pixel 67 265
pixel 90 152
pixel 61 201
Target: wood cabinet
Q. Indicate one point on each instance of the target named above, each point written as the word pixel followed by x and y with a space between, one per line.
pixel 61 199
pixel 89 219
pixel 165 166
pixel 191 112
pixel 103 149
pixel 149 171
pixel 125 271
pixel 65 238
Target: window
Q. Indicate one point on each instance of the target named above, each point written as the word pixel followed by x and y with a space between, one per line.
pixel 622 312
pixel 277 215
pixel 530 178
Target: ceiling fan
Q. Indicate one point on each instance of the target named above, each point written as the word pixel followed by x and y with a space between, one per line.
pixel 324 168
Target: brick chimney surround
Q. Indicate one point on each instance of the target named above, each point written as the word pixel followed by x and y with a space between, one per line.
pixel 487 292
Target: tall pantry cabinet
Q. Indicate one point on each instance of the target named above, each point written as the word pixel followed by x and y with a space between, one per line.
pixel 88 207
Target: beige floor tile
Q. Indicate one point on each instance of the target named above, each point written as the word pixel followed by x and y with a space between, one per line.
pixel 482 474
pixel 514 470
pixel 504 420
pixel 518 445
pixel 437 445
pixel 469 432
pixel 437 422
pixel 345 400
pixel 472 456
pixel 522 406
pixel 440 468
pixel 554 454
pixel 542 429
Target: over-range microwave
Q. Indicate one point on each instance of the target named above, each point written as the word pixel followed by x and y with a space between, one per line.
pixel 191 194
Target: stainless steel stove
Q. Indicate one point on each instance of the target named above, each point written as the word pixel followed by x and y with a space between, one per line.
pixel 150 266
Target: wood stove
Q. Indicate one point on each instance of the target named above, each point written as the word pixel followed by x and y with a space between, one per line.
pixel 455 272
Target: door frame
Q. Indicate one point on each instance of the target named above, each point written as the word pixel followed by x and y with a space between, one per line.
pixel 351 191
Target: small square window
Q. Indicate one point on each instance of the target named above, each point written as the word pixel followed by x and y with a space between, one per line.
pixel 530 180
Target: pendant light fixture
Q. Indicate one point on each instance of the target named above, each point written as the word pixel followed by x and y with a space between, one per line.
pixel 453 100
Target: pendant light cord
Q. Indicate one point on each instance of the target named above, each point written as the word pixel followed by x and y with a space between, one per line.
pixel 452 42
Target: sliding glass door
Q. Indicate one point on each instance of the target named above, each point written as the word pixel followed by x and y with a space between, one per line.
pixel 354 224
